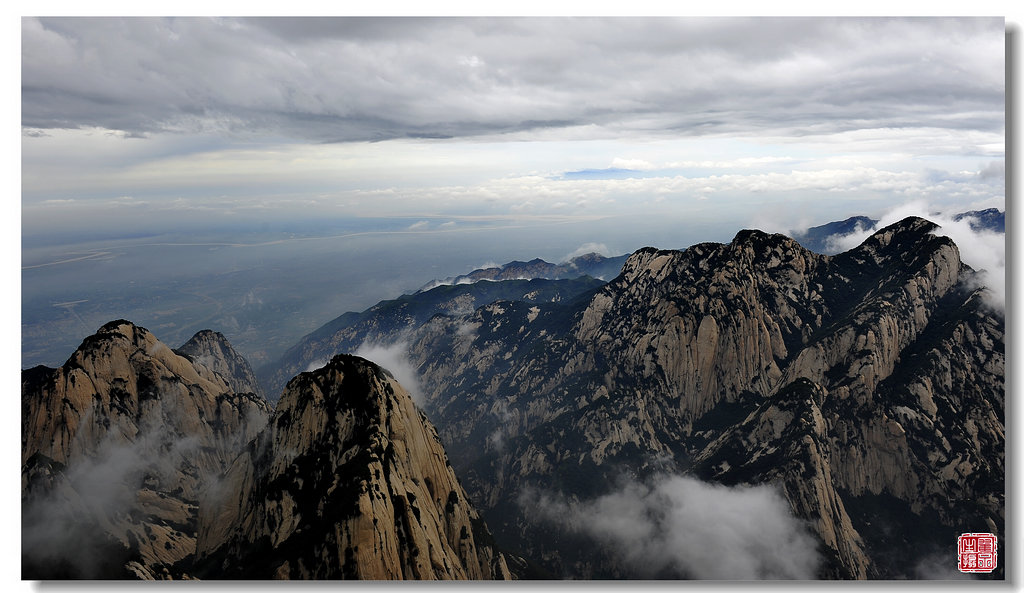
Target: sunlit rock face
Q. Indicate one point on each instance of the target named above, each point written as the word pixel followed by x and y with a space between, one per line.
pixel 140 461
pixel 868 386
pixel 349 480
pixel 117 445
pixel 212 350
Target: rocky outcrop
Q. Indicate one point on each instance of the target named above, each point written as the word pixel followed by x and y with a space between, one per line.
pixel 139 461
pixel 117 445
pixel 870 379
pixel 212 350
pixel 348 480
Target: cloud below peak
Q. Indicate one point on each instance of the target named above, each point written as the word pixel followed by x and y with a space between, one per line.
pixel 681 527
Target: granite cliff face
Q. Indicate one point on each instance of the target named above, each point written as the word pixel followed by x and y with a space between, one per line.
pixel 861 393
pixel 212 350
pixel 864 381
pixel 116 446
pixel 349 480
pixel 139 461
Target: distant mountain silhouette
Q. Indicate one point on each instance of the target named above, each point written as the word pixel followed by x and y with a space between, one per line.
pixel 817 238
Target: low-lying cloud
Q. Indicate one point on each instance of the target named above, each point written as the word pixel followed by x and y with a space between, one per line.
pixel 939 567
pixel 395 358
pixel 679 526
pixel 983 250
pixel 74 526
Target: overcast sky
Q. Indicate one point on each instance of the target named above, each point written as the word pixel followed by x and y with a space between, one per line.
pixel 761 122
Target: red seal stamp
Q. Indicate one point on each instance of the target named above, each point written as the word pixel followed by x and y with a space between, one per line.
pixel 977 552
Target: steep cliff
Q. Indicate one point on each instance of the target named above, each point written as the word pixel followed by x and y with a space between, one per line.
pixel 852 381
pixel 212 350
pixel 347 481
pixel 139 461
pixel 117 444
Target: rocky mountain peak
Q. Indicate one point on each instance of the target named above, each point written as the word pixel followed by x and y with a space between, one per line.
pixel 587 259
pixel 639 260
pixel 119 334
pixel 844 380
pixel 906 235
pixel 755 239
pixel 117 445
pixel 212 350
pixel 349 480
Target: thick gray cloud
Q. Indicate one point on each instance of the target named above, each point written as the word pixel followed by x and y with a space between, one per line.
pixel 374 79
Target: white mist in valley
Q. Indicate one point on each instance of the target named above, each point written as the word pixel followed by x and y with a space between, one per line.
pixel 686 528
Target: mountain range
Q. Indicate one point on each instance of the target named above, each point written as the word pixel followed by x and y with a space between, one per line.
pixel 744 410
pixel 594 265
pixel 872 379
pixel 139 461
pixel 817 238
pixel 389 321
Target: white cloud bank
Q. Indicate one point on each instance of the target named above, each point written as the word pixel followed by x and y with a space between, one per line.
pixel 678 525
pixel 426 117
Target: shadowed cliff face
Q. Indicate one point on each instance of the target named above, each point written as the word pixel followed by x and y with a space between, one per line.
pixel 117 445
pixel 347 481
pixel 850 382
pixel 388 322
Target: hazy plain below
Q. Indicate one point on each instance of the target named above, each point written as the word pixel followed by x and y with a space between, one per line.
pixel 266 287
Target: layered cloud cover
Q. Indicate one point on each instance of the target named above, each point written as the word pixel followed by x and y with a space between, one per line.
pixel 449 120
pixel 679 527
pixel 341 80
